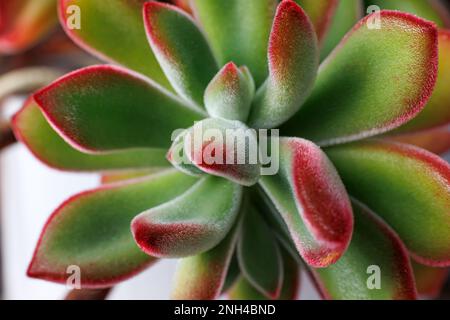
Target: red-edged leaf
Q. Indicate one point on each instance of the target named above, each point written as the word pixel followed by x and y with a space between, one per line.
pixel 181 50
pixel 376 265
pixel 407 186
pixel 105 108
pixel 293 61
pixel 312 200
pixel 373 82
pixel 178 157
pixel 192 223
pixel 91 231
pixel 429 280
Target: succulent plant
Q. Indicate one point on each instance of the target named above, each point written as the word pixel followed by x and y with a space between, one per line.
pixel 347 198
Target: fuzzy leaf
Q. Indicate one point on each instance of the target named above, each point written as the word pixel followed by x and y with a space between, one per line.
pixel 259 256
pixel 105 108
pixel 113 32
pixel 374 248
pixel 119 176
pixel 429 280
pixel 33 130
pixel 181 49
pixel 407 186
pixel 309 195
pixel 229 95
pixel 202 277
pixel 178 157
pixel 293 60
pixel 437 111
pixel 238 31
pixel 375 81
pixel 193 223
pixel 24 22
pixel 224 148
pixel 434 140
pixel 92 231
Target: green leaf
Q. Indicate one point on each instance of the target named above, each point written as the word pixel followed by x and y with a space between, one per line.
pixel 33 130
pixel 112 31
pixel 105 108
pixel 229 95
pixel 178 157
pixel 259 256
pixel 181 49
pixel 375 81
pixel 293 61
pixel 407 186
pixel 309 195
pixel 291 277
pixel 92 231
pixel 242 289
pixel 193 223
pixel 238 31
pixel 376 265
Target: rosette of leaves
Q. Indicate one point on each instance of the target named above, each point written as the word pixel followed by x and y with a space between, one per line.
pixel 345 198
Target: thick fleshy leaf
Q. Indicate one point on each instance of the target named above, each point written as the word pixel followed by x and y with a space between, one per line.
pixel 113 32
pixel 407 186
pixel 429 280
pixel 33 130
pixel 259 256
pixel 92 231
pixel 181 49
pixel 293 61
pixel 321 14
pixel 224 148
pixel 376 265
pixel 375 81
pixel 114 177
pixel 178 157
pixel 433 140
pixel 312 200
pixel 229 95
pixel 24 22
pixel 202 277
pixel 232 274
pixel 193 223
pixel 437 111
pixel 346 15
pixel 238 31
pixel 242 289
pixel 105 108
pixel 291 277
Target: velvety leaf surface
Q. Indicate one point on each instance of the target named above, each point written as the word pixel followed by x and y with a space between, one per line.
pixel 374 248
pixel 407 186
pixel 437 111
pixel 191 224
pixel 119 176
pixel 92 230
pixel 293 60
pixel 229 95
pixel 259 256
pixel 224 148
pixel 429 280
pixel 113 32
pixel 181 49
pixel 24 22
pixel 238 31
pixel 375 81
pixel 434 140
pixel 33 130
pixel 202 277
pixel 178 157
pixel 105 108
pixel 312 200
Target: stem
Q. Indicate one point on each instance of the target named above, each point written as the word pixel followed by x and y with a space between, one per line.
pixel 88 294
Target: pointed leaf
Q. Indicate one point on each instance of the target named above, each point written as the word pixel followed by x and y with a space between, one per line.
pixel 433 140
pixel 202 277
pixel 24 22
pixel 229 95
pixel 244 290
pixel 183 4
pixel 114 32
pixel 293 61
pixel 105 108
pixel 92 231
pixel 238 31
pixel 291 277
pixel 259 256
pixel 374 81
pixel 232 274
pixel 191 224
pixel 407 186
pixel 429 280
pixel 309 195
pixel 33 130
pixel 181 49
pixel 375 254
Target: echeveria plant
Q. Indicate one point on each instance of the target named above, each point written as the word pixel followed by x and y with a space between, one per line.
pixel 343 201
